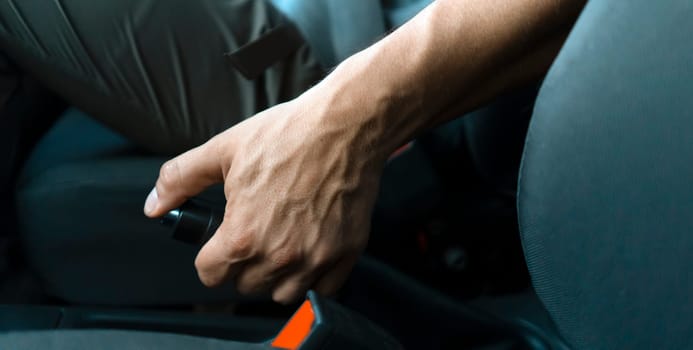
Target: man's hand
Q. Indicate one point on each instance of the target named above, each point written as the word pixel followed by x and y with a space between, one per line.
pixel 299 196
pixel 301 178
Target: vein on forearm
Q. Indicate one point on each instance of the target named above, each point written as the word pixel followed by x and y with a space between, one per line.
pixel 454 56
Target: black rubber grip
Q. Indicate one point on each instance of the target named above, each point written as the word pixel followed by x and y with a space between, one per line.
pixel 192 223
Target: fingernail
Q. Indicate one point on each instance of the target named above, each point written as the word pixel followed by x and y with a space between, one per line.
pixel 151 202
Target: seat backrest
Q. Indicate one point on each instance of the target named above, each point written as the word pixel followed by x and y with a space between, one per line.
pixel 335 29
pixel 606 187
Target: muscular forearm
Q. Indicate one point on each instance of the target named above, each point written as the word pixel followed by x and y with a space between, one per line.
pixel 449 59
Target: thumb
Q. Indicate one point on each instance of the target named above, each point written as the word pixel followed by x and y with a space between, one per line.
pixel 183 177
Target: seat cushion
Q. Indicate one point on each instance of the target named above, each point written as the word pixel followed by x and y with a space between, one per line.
pixel 73 138
pixel 80 213
pixel 114 340
pixel 606 196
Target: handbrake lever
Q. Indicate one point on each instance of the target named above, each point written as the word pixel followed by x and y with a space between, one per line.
pixel 193 223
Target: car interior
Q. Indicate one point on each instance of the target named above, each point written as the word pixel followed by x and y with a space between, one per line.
pixel 556 217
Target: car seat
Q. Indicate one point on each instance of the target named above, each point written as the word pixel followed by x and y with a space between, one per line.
pixel 605 193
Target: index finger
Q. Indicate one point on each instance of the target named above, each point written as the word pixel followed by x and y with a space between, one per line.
pixel 183 177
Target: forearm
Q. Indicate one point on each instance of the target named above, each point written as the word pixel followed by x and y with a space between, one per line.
pixel 449 59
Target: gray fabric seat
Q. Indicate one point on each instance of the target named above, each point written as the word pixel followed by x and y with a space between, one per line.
pixel 114 340
pixel 79 206
pixel 606 197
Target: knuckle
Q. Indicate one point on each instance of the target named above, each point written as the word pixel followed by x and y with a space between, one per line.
pixel 203 274
pixel 169 174
pixel 241 246
pixel 207 279
pixel 199 265
pixel 285 258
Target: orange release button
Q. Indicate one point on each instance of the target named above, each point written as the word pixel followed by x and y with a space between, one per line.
pixel 297 329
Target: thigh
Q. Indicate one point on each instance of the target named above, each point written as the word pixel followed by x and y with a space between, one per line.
pixel 155 70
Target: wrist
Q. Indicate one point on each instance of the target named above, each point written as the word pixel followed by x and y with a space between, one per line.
pixel 380 112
